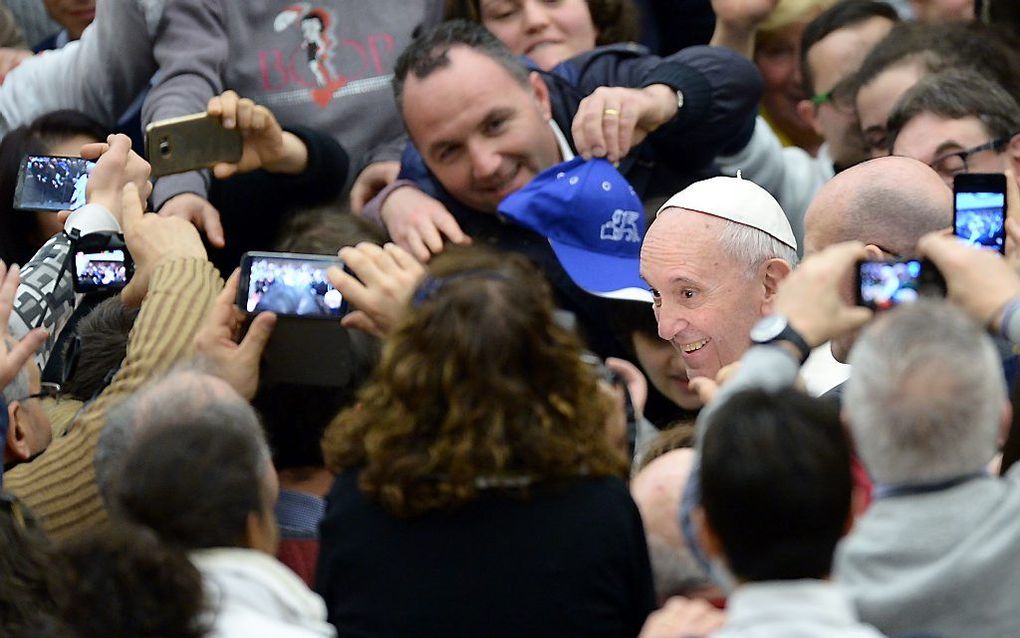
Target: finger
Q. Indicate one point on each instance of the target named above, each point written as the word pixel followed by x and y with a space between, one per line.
pixel 254 343
pixel 244 112
pixel 430 235
pixel 579 132
pixel 1012 193
pixel 704 387
pixel 224 170
pixel 8 289
pixel 228 113
pixel 591 124
pixel 215 106
pixel 24 349
pixel 362 261
pixel 401 257
pixel 449 227
pixel 223 307
pixel 259 118
pixel 358 320
pixel 359 197
pixel 212 226
pixel 628 124
pixel 350 287
pixel 94 150
pixel 611 112
pixel 130 207
pixel 417 247
pixel 1013 230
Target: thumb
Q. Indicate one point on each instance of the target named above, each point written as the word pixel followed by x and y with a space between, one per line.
pixel 224 170
pixel 254 342
pixel 212 225
pixel 358 320
pixel 704 387
pixel 857 316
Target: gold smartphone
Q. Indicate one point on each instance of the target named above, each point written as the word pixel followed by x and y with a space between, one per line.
pixel 182 144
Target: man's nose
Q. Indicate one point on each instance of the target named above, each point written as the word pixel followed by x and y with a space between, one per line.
pixel 485 161
pixel 671 322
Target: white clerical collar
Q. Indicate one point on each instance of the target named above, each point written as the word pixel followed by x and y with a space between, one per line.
pixel 565 151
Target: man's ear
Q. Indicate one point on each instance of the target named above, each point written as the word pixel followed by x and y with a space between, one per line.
pixel 707 537
pixel 808 112
pixel 772 273
pixel 541 93
pixel 1012 151
pixel 17 441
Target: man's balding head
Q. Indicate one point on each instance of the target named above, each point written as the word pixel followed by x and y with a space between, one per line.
pixel 889 202
pixel 657 489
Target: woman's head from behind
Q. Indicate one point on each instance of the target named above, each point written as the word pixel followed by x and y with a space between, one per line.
pixel 551 31
pixel 56 133
pixel 479 382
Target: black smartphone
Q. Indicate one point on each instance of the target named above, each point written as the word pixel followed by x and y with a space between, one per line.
pixel 289 284
pixel 100 262
pixel 886 284
pixel 52 183
pixel 979 209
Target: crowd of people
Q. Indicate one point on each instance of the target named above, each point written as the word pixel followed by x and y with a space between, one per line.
pixel 635 319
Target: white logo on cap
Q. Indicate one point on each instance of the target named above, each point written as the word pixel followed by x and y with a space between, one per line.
pixel 606 186
pixel 622 227
pixel 560 175
pixel 574 180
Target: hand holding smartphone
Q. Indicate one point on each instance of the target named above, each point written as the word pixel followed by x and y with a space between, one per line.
pixel 182 144
pixel 979 209
pixel 882 285
pixel 289 284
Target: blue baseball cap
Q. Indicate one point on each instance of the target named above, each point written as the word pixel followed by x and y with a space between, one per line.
pixel 594 222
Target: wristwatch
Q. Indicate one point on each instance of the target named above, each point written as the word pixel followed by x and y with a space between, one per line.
pixel 776 328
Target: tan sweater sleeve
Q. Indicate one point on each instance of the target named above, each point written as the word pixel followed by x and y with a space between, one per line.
pixel 60 484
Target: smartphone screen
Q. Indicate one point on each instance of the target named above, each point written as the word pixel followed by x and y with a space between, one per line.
pixel 100 270
pixel 52 183
pixel 886 284
pixel 290 285
pixel 979 215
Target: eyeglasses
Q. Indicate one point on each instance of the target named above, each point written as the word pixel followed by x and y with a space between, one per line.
pixel 841 97
pixel 952 164
pixel 46 391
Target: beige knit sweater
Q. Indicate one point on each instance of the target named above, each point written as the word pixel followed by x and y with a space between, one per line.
pixel 60 484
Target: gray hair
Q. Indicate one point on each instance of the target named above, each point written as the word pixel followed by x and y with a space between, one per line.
pixel 955 94
pixel 675 571
pixel 183 395
pixel 926 394
pixel 753 247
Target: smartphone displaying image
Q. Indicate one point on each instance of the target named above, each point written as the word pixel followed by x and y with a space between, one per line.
pixel 979 210
pixel 289 284
pixel 101 270
pixel 191 142
pixel 52 183
pixel 882 285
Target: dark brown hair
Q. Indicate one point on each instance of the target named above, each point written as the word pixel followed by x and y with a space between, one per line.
pixel 615 20
pixel 477 383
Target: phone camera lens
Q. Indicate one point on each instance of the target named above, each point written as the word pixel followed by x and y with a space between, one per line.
pixel 164 147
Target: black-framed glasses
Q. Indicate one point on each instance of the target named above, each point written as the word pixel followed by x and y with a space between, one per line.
pixel 46 391
pixel 841 97
pixel 952 164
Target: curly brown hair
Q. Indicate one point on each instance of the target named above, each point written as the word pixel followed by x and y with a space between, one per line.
pixel 615 20
pixel 478 385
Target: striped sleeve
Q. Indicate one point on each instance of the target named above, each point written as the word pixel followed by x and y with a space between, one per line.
pixel 59 485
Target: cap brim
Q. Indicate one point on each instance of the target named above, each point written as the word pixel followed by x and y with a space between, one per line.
pixel 603 275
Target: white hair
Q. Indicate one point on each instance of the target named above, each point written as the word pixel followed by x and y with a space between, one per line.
pixel 925 396
pixel 753 247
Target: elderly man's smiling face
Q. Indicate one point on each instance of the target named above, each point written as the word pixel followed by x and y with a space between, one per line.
pixel 705 300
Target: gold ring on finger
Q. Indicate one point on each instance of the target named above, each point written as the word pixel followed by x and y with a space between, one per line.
pixel 611 112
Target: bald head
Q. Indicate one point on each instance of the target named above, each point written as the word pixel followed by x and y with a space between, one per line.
pixel 657 488
pixel 889 202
